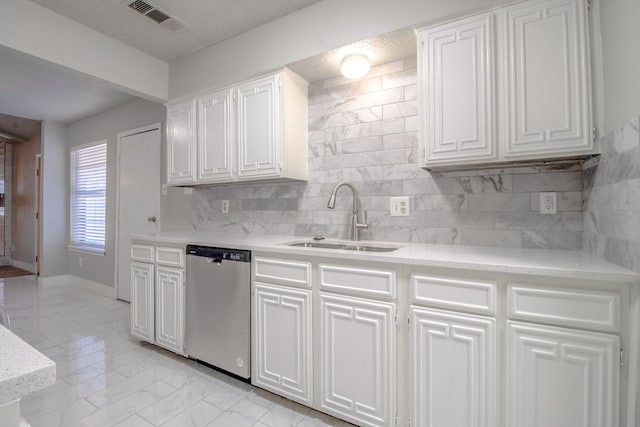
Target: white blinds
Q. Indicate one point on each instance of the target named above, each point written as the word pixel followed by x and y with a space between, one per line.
pixel 88 196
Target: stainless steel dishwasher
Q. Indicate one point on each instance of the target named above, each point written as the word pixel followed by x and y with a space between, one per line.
pixel 218 301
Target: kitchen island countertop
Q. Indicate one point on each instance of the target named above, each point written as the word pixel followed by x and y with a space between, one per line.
pixel 23 369
pixel 544 262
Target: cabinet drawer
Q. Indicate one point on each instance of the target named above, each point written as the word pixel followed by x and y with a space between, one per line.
pixel 285 272
pixel 144 253
pixel 451 293
pixel 173 257
pixel 359 281
pixel 582 308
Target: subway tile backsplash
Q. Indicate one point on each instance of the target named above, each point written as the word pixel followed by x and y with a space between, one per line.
pixel 612 198
pixel 365 132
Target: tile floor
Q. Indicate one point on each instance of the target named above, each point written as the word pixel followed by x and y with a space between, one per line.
pixel 107 378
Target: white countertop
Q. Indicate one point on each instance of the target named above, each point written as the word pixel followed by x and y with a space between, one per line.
pixel 23 369
pixel 544 262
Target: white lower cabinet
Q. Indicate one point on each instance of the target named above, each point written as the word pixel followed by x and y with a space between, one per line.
pixel 157 297
pixel 142 309
pixel 282 341
pixel 560 377
pixel 453 369
pixel 357 360
pixel 169 308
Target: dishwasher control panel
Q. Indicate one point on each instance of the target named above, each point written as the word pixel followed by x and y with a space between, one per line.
pixel 239 255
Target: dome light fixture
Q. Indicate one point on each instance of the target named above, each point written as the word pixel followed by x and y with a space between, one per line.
pixel 355 66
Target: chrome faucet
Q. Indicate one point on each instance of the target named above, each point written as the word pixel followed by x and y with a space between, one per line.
pixel 355 225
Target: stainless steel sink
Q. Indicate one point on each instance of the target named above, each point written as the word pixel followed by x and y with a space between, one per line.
pixel 355 246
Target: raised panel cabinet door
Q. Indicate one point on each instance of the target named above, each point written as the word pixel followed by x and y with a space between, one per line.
pixel 561 377
pixel 170 309
pixel 357 359
pixel 215 150
pixel 142 301
pixel 453 369
pixel 547 80
pixel 259 128
pixel 282 342
pixel 457 92
pixel 181 143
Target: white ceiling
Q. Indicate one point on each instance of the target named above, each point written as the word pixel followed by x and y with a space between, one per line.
pixel 207 21
pixel 39 90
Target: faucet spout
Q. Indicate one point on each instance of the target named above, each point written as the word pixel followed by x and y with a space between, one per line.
pixel 356 226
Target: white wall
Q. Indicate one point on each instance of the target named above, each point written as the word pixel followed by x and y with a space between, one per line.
pixel 32 29
pixel 620 21
pixel 106 126
pixel 324 26
pixel 55 200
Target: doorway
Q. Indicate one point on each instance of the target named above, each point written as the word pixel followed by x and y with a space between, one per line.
pixel 138 200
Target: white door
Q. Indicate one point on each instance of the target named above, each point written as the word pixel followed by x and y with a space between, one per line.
pixel 181 143
pixel 282 344
pixel 138 196
pixel 259 128
pixel 453 369
pixel 169 308
pixel 457 89
pixel 357 359
pixel 561 377
pixel 546 98
pixel 142 301
pixel 215 150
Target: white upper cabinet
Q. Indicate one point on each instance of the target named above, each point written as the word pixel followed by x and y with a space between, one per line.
pixel 181 143
pixel 250 131
pixel 215 160
pixel 259 127
pixel 456 66
pixel 547 83
pixel 524 96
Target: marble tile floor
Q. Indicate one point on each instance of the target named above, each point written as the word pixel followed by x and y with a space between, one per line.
pixel 107 378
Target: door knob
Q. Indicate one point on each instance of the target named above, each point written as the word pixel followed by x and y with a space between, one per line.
pixel 151 219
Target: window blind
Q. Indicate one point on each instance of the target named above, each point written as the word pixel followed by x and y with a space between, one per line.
pixel 88 196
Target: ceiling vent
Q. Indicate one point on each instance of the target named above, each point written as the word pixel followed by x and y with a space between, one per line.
pixel 152 12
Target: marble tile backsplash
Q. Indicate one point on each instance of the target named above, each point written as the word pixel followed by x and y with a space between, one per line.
pixel 365 132
pixel 612 198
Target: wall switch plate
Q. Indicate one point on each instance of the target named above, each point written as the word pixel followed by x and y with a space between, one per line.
pixel 164 189
pixel 548 202
pixel 399 206
pixel 225 206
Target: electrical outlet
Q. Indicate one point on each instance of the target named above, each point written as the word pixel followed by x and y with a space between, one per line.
pixel 399 206
pixel 225 206
pixel 79 261
pixel 164 189
pixel 548 203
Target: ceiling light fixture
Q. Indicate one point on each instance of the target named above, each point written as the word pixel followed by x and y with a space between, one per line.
pixel 355 66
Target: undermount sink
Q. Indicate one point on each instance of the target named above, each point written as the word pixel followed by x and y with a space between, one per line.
pixel 355 246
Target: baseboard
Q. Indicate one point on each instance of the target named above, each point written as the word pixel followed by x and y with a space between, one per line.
pixel 31 268
pixel 68 279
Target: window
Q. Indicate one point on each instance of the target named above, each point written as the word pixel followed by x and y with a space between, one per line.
pixel 88 196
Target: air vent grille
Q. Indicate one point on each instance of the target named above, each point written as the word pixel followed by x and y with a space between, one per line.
pixel 156 15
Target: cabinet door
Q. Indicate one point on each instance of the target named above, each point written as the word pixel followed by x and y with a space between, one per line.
pixel 457 92
pixel 181 143
pixel 142 301
pixel 259 128
pixel 170 308
pixel 561 377
pixel 547 82
pixel 453 369
pixel 282 341
pixel 357 359
pixel 215 137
